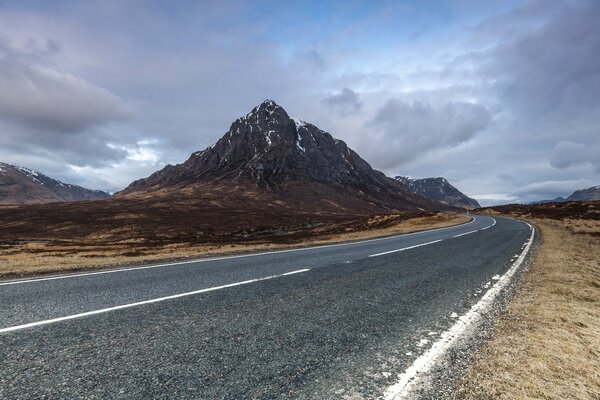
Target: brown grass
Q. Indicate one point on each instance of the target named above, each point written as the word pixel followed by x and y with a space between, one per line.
pixel 92 252
pixel 547 345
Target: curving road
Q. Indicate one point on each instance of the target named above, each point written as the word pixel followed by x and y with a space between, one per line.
pixel 320 322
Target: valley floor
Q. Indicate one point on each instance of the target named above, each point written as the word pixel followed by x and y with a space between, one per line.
pixel 547 343
pixel 23 257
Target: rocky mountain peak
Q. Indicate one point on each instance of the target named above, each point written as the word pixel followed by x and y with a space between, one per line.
pixel 268 147
pixel 267 152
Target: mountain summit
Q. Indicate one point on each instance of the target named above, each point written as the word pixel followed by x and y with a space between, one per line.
pixel 270 151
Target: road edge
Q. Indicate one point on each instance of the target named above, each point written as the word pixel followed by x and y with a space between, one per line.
pixel 428 376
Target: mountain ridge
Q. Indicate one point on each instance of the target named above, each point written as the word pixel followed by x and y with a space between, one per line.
pixel 588 194
pixel 20 185
pixel 439 189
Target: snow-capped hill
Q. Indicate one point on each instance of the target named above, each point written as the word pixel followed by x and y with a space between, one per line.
pixel 591 193
pixel 439 189
pixel 20 185
pixel 269 150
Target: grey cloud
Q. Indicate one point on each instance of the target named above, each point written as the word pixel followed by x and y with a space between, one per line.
pixel 403 131
pixel 553 68
pixel 567 154
pixel 550 189
pixel 536 67
pixel 345 102
pixel 35 95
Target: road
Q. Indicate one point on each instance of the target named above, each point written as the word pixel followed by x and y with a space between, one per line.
pixel 320 322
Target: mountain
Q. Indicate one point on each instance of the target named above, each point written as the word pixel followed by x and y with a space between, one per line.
pixel 290 161
pixel 589 194
pixel 439 189
pixel 592 193
pixel 558 199
pixel 19 185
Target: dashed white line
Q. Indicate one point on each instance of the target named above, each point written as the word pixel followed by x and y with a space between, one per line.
pixel 139 303
pixel 463 234
pixel 408 382
pixel 489 226
pixel 405 248
pixel 202 260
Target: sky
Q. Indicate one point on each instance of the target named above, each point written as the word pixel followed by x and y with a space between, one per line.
pixel 501 98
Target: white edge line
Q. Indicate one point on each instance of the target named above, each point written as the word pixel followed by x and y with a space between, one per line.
pixel 424 364
pixel 139 303
pixel 463 234
pixel 201 260
pixel 405 248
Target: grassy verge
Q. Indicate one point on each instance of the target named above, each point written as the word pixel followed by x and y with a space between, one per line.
pixel 40 256
pixel 547 344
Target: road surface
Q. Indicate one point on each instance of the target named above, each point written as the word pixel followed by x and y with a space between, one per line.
pixel 320 322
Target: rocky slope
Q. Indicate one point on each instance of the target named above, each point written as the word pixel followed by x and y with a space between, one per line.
pixel 19 185
pixel 589 194
pixel 288 160
pixel 439 189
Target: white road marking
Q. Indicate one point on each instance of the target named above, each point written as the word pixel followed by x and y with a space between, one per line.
pixel 488 227
pixel 408 381
pixel 139 303
pixel 463 234
pixel 201 260
pixel 405 248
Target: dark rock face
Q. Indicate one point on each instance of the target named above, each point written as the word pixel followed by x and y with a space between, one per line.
pixel 592 193
pixel 439 189
pixel 19 185
pixel 275 152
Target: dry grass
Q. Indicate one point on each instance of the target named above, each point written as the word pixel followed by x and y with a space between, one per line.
pixel 547 345
pixel 37 257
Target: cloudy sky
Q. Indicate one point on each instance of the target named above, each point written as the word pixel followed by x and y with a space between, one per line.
pixel 502 98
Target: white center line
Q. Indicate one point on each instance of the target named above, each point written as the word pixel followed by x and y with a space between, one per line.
pixel 405 248
pixel 202 260
pixel 139 303
pixel 463 234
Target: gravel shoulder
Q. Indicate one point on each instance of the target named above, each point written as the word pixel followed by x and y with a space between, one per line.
pixel 442 382
pixel 546 344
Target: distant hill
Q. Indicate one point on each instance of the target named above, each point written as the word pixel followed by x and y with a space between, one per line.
pixel 554 200
pixel 439 189
pixel 19 185
pixel 589 194
pixel 291 163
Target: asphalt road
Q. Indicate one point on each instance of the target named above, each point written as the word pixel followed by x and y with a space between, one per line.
pixel 322 322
